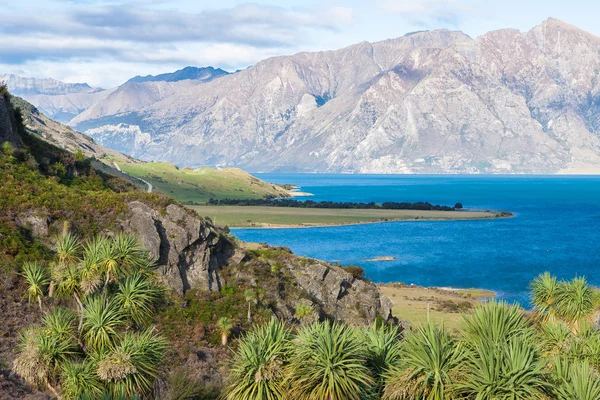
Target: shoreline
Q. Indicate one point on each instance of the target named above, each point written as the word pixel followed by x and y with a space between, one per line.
pixel 339 224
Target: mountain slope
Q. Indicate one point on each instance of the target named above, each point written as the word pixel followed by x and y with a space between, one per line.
pixel 203 74
pixel 61 101
pixel 428 102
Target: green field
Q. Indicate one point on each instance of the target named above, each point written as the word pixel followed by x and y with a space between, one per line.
pixel 200 185
pixel 412 303
pixel 242 216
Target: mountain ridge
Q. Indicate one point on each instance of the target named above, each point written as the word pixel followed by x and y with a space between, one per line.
pixel 427 102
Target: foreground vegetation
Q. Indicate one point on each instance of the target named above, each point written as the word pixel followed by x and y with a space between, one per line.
pixel 95 338
pixel 249 216
pixel 502 353
pixel 201 185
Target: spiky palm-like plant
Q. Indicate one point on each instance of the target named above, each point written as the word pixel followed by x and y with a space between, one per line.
pixel 553 338
pixel 101 322
pixel 90 268
pixel 68 249
pixel 576 380
pixel 224 325
pixel 543 293
pixel 61 323
pixel 430 358
pixel 384 350
pixel 258 366
pixel 496 322
pixel 120 255
pixel 575 302
pixel 136 296
pixel 37 279
pixel 80 380
pixel 503 371
pixel 328 362
pixel 40 357
pixel 131 366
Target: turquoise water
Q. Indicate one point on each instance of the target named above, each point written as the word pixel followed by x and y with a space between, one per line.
pixel 556 229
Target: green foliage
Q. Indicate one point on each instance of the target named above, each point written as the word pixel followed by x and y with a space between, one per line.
pixel 575 381
pixel 575 301
pixel 384 351
pixel 430 357
pixel 17 246
pixel 80 380
pixel 97 349
pixel 508 371
pixel 8 149
pixel 79 156
pixel 258 365
pixel 495 322
pixel 102 321
pixel 543 292
pixel 136 297
pixel 328 362
pixel 303 311
pixel 38 279
pixel 356 271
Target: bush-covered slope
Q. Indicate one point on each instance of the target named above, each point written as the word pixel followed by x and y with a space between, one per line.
pixel 212 280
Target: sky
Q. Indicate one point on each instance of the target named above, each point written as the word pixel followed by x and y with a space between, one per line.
pixel 106 42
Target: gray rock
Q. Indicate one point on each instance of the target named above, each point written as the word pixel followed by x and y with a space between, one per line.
pixel 189 251
pixel 36 223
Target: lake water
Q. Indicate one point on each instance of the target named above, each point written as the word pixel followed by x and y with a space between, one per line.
pixel 556 229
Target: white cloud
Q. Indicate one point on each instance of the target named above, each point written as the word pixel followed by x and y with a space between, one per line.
pixel 427 13
pixel 342 14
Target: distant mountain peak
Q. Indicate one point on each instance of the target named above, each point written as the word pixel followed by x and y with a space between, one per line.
pixel 196 73
pixel 32 86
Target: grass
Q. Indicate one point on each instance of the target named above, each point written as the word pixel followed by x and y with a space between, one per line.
pixel 445 306
pixel 200 185
pixel 250 216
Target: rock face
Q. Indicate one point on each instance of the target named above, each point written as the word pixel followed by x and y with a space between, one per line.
pixel 189 251
pixel 428 102
pixel 192 254
pixel 338 294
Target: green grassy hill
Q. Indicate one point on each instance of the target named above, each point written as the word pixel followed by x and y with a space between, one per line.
pixel 200 185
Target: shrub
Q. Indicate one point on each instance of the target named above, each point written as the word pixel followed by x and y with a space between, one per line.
pixel 8 149
pixel 356 271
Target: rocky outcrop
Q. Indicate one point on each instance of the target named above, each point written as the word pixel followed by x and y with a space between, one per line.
pixel 337 294
pixel 192 254
pixel 188 250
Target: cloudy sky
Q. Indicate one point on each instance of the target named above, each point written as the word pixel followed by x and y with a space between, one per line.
pixel 106 42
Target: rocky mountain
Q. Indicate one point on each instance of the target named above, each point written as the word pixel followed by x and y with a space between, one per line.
pixel 58 100
pixel 428 102
pixel 203 74
pixel 20 86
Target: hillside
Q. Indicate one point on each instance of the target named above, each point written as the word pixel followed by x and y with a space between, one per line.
pixel 428 102
pixel 203 270
pixel 203 184
pixel 183 184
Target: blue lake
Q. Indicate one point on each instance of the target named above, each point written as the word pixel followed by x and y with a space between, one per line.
pixel 556 229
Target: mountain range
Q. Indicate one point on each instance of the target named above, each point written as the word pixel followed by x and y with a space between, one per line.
pixel 428 102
